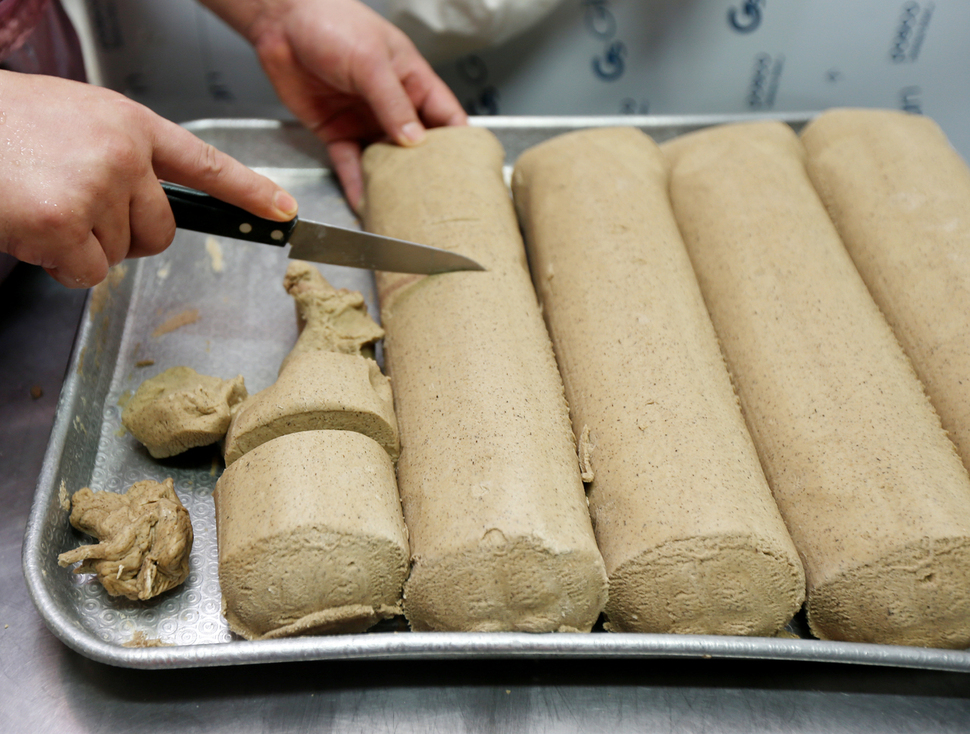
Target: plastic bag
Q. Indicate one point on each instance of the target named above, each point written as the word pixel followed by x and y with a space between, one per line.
pixel 447 29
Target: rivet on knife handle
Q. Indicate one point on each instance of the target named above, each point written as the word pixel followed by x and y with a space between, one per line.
pixel 200 212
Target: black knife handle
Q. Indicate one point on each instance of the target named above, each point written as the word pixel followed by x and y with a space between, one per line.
pixel 202 213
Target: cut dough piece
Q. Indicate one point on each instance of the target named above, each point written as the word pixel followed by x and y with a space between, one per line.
pixel 311 536
pixel 872 491
pixel 317 391
pixel 899 195
pixel 325 382
pixel 329 319
pixel 500 530
pixel 691 536
pixel 145 538
pixel 181 409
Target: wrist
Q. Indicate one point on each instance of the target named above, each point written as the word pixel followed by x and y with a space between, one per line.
pixel 250 18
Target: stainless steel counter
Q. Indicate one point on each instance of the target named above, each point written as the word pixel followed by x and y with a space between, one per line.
pixel 44 686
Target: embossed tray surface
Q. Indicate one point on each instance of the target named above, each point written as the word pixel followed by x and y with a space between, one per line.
pixel 246 325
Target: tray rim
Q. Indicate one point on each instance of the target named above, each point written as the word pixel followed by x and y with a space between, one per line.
pixel 529 122
pixel 434 645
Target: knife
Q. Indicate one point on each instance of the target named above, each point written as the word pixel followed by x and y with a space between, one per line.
pixel 308 240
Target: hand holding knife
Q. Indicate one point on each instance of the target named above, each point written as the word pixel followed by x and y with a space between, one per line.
pixel 308 240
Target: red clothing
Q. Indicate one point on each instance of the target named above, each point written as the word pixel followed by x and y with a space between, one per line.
pixel 37 37
pixel 17 20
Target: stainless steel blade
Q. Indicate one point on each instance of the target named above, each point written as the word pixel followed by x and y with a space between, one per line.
pixel 326 243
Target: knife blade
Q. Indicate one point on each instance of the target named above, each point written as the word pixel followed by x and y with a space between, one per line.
pixel 314 241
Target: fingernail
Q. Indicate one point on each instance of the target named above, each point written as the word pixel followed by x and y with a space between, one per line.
pixel 412 133
pixel 285 203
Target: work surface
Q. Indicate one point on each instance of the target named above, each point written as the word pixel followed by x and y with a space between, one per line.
pixel 47 687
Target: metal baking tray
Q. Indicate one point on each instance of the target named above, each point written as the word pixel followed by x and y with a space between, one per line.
pixel 246 325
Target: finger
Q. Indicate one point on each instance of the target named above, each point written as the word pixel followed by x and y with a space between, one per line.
pixel 435 102
pixel 345 157
pixel 182 158
pixel 439 106
pixel 391 104
pixel 152 222
pixel 111 229
pixel 80 266
pixel 353 121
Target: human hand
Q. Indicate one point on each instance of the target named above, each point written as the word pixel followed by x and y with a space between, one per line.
pixel 79 177
pixel 346 73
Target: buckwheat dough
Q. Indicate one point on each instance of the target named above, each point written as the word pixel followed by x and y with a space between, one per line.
pixel 870 487
pixel 900 198
pixel 500 532
pixel 326 381
pixel 317 390
pixel 145 539
pixel 329 319
pixel 181 409
pixel 311 536
pixel 692 539
pixel 182 318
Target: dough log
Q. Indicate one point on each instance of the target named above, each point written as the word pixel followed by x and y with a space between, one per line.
pixel 311 536
pixel 872 491
pixel 692 539
pixel 899 195
pixel 500 532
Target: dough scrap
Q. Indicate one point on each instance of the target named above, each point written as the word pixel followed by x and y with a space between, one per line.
pixel 181 409
pixel 145 538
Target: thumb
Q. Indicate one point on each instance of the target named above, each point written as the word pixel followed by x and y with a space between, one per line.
pixel 180 157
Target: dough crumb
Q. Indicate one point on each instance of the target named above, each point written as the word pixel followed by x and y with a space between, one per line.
pixel 124 398
pixel 183 318
pixel 585 453
pixel 181 409
pixel 63 499
pixel 145 539
pixel 140 639
pixel 214 249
